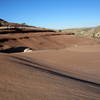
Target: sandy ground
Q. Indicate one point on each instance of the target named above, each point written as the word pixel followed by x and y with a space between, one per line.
pixel 67 74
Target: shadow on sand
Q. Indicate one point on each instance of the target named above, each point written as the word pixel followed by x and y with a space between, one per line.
pixel 46 69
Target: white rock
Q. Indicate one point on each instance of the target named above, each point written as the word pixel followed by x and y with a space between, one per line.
pixel 27 50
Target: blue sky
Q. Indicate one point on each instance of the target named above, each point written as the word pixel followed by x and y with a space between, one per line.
pixel 57 14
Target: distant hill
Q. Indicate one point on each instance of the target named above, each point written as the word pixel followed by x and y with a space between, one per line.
pixel 4 23
pixel 89 32
pixel 8 27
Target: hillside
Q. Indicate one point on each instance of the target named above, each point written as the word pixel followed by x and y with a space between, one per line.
pixel 43 40
pixel 4 23
pixel 89 32
pixel 13 35
pixel 8 27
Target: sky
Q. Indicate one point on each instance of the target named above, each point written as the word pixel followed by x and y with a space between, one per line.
pixel 54 14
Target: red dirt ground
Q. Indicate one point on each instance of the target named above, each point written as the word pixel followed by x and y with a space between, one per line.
pixel 71 71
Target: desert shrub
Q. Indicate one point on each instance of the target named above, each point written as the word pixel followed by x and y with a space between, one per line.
pixel 96 35
pixel 24 24
pixel 60 30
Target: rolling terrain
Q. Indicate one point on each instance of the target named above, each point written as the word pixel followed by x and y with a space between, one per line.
pixel 87 32
pixel 61 66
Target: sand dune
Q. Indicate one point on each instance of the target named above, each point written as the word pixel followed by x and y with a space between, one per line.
pixel 66 74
